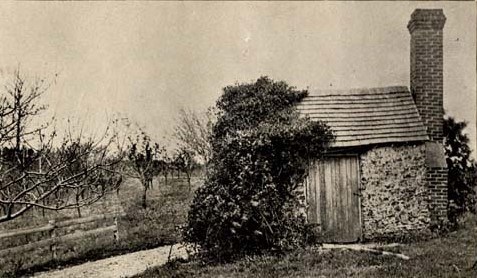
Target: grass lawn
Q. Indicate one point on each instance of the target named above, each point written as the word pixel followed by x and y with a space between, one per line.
pixel 451 255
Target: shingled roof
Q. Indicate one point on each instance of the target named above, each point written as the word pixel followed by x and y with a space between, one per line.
pixel 366 116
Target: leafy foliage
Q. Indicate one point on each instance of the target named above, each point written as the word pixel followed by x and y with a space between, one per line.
pixel 260 152
pixel 462 169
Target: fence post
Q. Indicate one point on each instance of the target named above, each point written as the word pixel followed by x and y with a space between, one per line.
pixel 53 236
pixel 116 229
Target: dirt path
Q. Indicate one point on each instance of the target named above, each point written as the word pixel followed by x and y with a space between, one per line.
pixel 120 266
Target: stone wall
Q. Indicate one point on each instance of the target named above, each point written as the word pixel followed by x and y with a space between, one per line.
pixel 395 196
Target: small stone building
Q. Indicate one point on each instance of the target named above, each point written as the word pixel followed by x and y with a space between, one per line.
pixel 385 175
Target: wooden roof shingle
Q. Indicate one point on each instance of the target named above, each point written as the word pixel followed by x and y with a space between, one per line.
pixel 366 116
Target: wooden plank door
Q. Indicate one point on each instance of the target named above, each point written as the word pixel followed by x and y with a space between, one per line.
pixel 333 198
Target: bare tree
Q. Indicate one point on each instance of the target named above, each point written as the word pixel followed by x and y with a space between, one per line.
pixel 143 160
pixel 185 162
pixel 19 105
pixel 34 171
pixel 79 155
pixel 193 131
pixel 165 165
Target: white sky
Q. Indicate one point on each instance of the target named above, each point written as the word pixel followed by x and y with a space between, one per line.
pixel 147 59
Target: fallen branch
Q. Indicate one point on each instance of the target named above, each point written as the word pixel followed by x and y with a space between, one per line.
pixel 358 247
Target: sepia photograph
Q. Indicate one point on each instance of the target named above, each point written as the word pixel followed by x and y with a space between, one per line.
pixel 238 139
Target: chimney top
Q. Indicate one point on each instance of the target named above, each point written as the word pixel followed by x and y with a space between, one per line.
pixel 426 19
pixel 427 67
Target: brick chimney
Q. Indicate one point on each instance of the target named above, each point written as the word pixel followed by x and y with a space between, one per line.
pixel 427 80
pixel 427 88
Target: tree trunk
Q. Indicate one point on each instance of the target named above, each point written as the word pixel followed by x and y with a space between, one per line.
pixel 78 209
pixel 144 197
pixel 206 169
pixel 188 180
pixel 43 209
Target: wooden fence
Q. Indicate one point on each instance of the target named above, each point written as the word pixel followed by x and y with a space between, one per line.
pixel 54 240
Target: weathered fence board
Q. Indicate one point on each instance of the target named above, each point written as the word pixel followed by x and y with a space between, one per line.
pixel 54 239
pixel 20 232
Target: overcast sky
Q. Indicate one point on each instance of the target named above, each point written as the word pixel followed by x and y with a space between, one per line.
pixel 148 59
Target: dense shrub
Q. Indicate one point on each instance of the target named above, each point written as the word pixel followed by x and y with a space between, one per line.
pixel 260 152
pixel 462 169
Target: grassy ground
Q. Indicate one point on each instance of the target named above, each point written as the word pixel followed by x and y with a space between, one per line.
pixel 451 255
pixel 140 229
